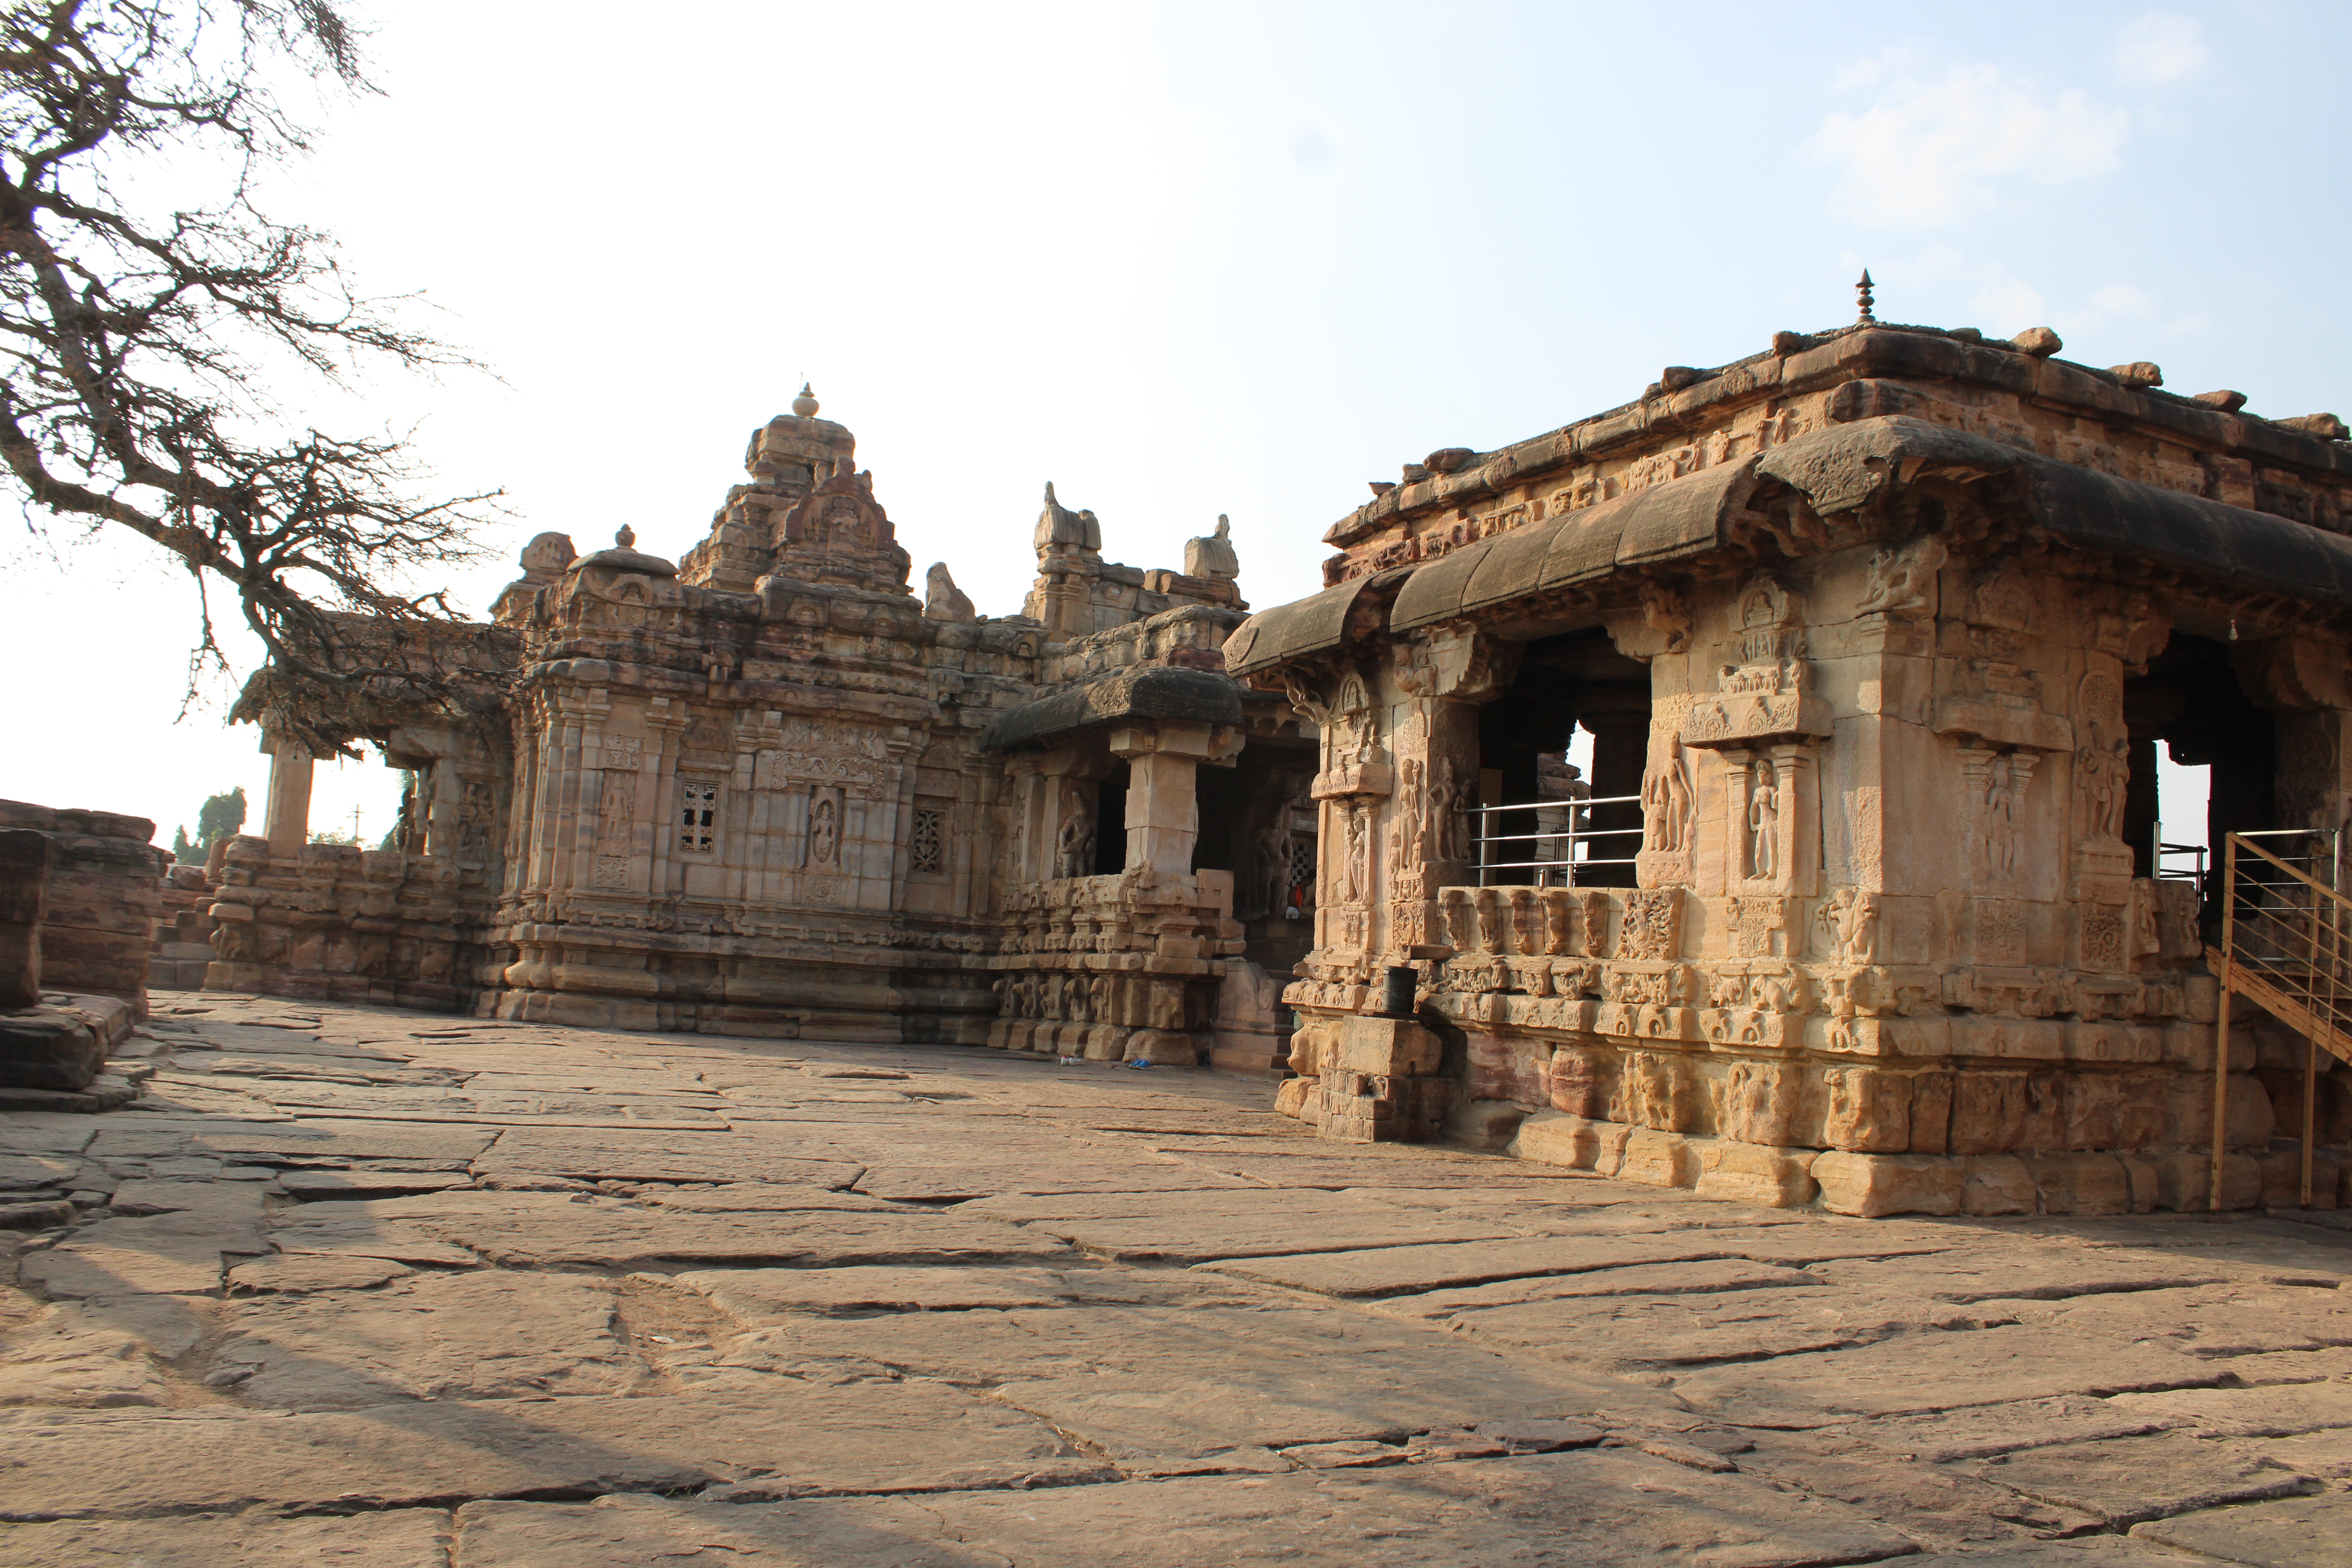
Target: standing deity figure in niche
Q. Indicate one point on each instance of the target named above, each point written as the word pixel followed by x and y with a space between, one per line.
pixel 617 809
pixel 1074 849
pixel 1447 801
pixel 2105 766
pixel 1764 823
pixel 1666 800
pixel 1273 867
pixel 2000 801
pixel 825 833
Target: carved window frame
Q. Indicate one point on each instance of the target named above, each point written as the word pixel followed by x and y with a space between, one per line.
pixel 930 825
pixel 698 816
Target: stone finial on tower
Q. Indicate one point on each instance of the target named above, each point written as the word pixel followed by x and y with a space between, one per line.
pixel 625 537
pixel 804 405
pixel 942 600
pixel 1058 526
pixel 1212 556
pixel 1861 293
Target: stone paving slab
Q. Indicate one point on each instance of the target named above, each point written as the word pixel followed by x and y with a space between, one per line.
pixel 488 1335
pixel 398 1538
pixel 1650 1279
pixel 407 1453
pixel 1400 1270
pixel 999 1310
pixel 1197 1228
pixel 2304 1532
pixel 1984 1274
pixel 754 1297
pixel 2130 1480
pixel 1640 1332
pixel 1938 1372
pixel 640 1157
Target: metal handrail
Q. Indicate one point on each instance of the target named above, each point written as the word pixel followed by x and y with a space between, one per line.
pixel 2293 965
pixel 1575 833
pixel 2161 851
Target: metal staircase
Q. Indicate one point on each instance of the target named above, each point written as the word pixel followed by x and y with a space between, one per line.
pixel 2284 947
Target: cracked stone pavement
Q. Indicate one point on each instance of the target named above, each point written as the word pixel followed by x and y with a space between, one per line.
pixel 387 1290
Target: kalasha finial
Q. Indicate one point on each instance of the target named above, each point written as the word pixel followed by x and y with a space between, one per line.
pixel 626 538
pixel 1862 297
pixel 804 405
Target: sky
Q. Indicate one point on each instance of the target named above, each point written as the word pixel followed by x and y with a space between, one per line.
pixel 1194 259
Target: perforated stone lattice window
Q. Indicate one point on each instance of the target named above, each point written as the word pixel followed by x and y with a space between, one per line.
pixel 698 818
pixel 928 848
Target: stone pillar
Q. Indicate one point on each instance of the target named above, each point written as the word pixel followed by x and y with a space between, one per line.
pixel 1163 811
pixel 25 857
pixel 286 821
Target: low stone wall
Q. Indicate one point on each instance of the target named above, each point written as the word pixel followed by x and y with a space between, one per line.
pixel 184 935
pixel 103 895
pixel 77 901
pixel 1127 967
pixel 339 924
pixel 1577 1033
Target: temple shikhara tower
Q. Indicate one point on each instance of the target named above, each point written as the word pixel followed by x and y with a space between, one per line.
pixel 769 791
pixel 1869 894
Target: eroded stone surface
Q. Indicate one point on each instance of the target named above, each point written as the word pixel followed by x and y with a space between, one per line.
pixel 397 1538
pixel 336 1320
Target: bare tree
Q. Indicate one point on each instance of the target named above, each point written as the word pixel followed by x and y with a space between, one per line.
pixel 141 341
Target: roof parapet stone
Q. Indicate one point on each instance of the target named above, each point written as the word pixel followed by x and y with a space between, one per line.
pixel 1683 391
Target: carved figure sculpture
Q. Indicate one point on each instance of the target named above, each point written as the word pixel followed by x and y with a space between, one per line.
pixel 1355 866
pixel 615 810
pixel 825 833
pixel 1763 823
pixel 1412 813
pixel 1903 578
pixel 1666 800
pixel 1272 865
pixel 1074 847
pixel 1850 915
pixel 2003 786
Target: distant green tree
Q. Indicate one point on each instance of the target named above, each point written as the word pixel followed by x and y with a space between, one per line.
pixel 220 816
pixel 329 836
pixel 183 852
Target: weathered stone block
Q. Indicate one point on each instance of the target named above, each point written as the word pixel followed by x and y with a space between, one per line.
pixel 1290 1098
pixel 1558 1139
pixel 1995 1183
pixel 1752 1173
pixel 1988 1112
pixel 1584 1079
pixel 2281 1171
pixel 1869 1111
pixel 2184 1181
pixel 23 896
pixel 1160 1047
pixel 1872 1184
pixel 45 1048
pixel 1485 1123
pixel 2080 1184
pixel 1513 1069
pixel 1659 1159
pixel 1391 1047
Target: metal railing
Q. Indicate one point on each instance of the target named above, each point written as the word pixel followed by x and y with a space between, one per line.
pixel 2178 862
pixel 1555 843
pixel 2284 947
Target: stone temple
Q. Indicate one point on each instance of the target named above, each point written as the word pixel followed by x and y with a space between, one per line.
pixel 1870 899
